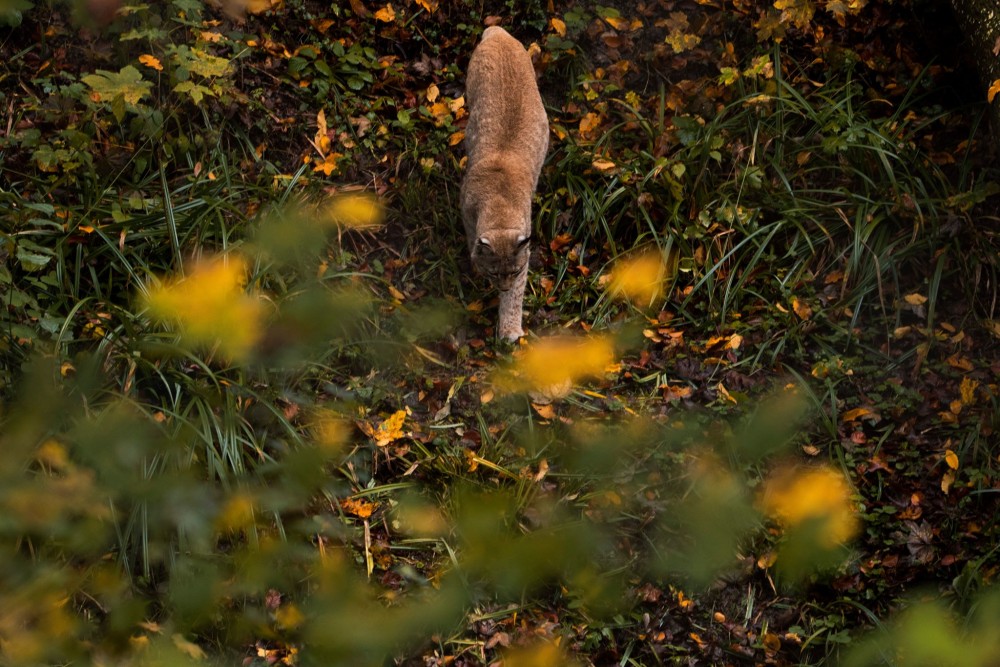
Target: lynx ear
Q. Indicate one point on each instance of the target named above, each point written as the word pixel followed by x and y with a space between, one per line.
pixel 523 240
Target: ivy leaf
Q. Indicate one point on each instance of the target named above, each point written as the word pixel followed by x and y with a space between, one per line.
pixel 127 83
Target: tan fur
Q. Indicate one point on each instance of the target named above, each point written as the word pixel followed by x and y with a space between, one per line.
pixel 506 139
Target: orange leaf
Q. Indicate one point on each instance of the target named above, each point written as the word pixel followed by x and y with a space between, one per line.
pixel 855 414
pixel 951 458
pixel 429 5
pixel 558 25
pixel 801 309
pixel 359 508
pixel 992 92
pixel 151 61
pixel 545 411
pixel 386 15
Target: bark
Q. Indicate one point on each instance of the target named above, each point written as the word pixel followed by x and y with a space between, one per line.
pixel 979 20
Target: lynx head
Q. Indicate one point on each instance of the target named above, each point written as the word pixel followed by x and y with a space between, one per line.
pixel 501 256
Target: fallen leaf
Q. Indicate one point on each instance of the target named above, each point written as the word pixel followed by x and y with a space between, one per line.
pixel 951 458
pixel 358 507
pixel 386 14
pixel 992 92
pixel 432 93
pixel 915 299
pixel 558 25
pixel 801 309
pixel 855 414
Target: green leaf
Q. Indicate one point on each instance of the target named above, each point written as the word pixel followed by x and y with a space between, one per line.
pixel 195 91
pixel 206 64
pixel 127 82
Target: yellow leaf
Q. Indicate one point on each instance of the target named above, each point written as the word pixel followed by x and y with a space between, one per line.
pixel 855 414
pixel 151 61
pixel 796 495
pixel 330 164
pixel 429 5
pixel 967 388
pixel 359 210
pixel 321 131
pixel 192 650
pixel 545 411
pixel 359 508
pixel 639 279
pixel 210 36
pixel 801 309
pixel 558 25
pixel 210 306
pixel 432 92
pixel 992 92
pixel 456 138
pixel 915 299
pixel 947 480
pixel 601 164
pixel 261 6
pixel 590 122
pixel 237 513
pixel 386 15
pixel 617 22
pixel 389 430
pixel 951 458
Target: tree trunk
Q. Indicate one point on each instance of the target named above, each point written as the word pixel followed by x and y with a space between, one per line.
pixel 979 20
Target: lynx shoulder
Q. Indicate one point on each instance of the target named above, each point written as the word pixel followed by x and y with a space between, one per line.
pixel 506 139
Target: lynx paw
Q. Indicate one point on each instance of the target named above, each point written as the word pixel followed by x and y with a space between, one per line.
pixel 511 335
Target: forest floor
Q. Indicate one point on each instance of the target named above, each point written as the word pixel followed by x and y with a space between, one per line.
pixel 819 187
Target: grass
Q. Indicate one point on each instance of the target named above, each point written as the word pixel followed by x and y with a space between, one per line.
pixel 195 501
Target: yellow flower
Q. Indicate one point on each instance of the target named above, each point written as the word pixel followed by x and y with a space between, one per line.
pixel 797 495
pixel 639 279
pixel 210 306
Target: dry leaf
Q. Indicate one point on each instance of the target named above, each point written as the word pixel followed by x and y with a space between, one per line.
pixel 992 92
pixel 915 299
pixel 432 92
pixel 151 61
pixel 386 14
pixel 558 25
pixel 951 458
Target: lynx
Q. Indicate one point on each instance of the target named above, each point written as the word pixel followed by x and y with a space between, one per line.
pixel 506 139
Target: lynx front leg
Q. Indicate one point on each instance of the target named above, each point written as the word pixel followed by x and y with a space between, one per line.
pixel 512 307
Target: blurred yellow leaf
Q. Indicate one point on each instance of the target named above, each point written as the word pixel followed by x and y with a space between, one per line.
pixel 260 6
pixel 558 25
pixel 386 14
pixel 456 138
pixel 190 649
pixel 553 365
pixel 915 299
pixel 432 92
pixel 795 495
pixel 545 411
pixel 429 5
pixel 356 210
pixel 602 164
pixel 211 307
pixel 639 279
pixel 289 616
pixel 151 61
pixel 329 431
pixel 237 513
